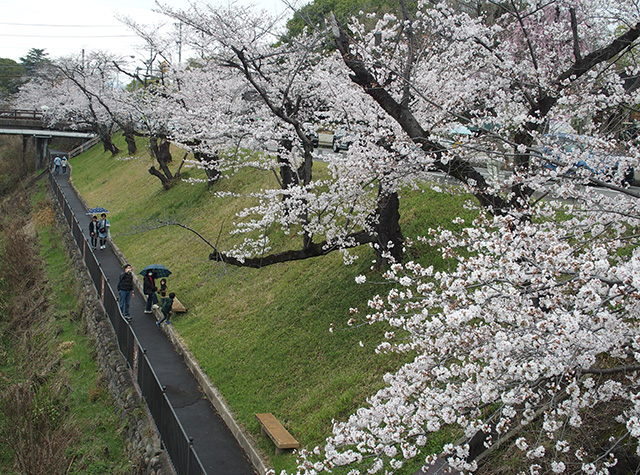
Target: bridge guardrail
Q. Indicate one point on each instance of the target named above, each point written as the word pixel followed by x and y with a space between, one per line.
pixel 18 114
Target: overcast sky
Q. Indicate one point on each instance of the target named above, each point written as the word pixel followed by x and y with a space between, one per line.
pixel 66 27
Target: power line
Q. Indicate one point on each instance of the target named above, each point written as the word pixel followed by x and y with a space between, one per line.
pixel 70 36
pixel 62 26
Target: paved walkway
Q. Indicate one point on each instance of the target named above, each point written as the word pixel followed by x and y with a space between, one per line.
pixel 214 443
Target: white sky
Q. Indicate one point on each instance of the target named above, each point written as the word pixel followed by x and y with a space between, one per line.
pixel 66 27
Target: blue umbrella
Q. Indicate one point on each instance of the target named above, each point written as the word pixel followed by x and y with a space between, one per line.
pixel 158 270
pixel 97 210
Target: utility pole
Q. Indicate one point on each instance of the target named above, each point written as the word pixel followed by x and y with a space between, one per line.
pixel 179 25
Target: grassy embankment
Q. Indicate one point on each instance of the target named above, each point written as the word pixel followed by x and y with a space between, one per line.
pixel 261 335
pixel 56 415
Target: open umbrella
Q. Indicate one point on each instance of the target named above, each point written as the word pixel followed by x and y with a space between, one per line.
pixel 158 269
pixel 97 210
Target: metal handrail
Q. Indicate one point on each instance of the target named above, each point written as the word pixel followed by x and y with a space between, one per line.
pixel 134 353
pixel 18 114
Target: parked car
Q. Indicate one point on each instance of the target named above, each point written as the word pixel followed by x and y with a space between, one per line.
pixel 601 164
pixel 342 139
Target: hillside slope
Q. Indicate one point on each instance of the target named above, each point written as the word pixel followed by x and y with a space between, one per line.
pixel 261 335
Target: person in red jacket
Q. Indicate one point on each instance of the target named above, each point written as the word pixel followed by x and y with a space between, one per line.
pixel 149 289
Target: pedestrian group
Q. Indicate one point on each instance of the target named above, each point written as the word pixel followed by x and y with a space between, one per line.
pixel 99 230
pixel 150 290
pixel 59 163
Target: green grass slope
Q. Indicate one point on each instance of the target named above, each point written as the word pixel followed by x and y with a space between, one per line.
pixel 261 335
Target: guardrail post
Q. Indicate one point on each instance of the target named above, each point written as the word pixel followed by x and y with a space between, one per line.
pixel 189 457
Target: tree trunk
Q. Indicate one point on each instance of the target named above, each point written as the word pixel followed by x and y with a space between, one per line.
pixel 104 132
pixel 288 176
pixel 389 234
pixel 161 154
pixel 210 164
pixel 129 137
pixel 164 157
pixel 164 153
pixel 108 145
pixel 166 183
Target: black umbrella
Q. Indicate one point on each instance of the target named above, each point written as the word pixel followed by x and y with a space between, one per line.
pixel 158 270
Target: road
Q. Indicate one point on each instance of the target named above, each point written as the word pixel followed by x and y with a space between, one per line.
pixel 325 150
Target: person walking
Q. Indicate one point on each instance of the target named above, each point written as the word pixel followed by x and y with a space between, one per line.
pixel 167 304
pixel 56 165
pixel 149 289
pixel 103 230
pixel 125 287
pixel 93 232
pixel 64 162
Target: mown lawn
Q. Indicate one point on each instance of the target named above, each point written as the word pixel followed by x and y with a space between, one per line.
pixel 261 335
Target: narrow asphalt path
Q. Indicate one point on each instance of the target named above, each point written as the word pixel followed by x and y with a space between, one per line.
pixel 214 443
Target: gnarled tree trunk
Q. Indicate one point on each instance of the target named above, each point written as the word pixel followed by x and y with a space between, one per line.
pixel 104 133
pixel 163 157
pixel 129 137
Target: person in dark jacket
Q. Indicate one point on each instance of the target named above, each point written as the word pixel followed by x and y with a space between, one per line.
pixel 149 289
pixel 93 232
pixel 163 291
pixel 167 304
pixel 125 287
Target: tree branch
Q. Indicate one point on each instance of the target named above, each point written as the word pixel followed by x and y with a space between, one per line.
pixel 455 167
pixel 574 31
pixel 312 250
pixel 617 369
pixel 582 66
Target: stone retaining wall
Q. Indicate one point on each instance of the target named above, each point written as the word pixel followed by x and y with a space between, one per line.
pixel 144 448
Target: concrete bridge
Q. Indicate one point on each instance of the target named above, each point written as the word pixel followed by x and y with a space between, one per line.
pixel 30 125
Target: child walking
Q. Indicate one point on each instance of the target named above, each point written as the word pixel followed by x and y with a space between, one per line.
pixel 167 303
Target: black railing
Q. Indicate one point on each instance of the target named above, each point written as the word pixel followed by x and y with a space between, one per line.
pixel 178 445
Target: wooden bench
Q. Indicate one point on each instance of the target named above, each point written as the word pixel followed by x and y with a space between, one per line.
pixel 280 436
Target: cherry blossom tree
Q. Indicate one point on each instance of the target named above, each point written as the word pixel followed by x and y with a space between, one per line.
pixel 516 72
pixel 80 92
pixel 414 114
pixel 251 87
pixel 529 342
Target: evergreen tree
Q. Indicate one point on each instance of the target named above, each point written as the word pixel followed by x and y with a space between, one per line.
pixel 34 61
pixel 11 76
